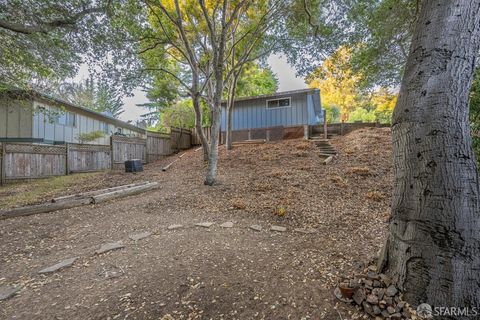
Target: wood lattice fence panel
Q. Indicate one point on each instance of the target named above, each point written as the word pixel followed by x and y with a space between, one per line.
pixel 28 161
pixel 89 157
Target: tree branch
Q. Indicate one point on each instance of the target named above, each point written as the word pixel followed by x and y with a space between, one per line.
pixel 48 26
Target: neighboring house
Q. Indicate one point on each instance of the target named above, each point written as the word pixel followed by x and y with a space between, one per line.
pixel 284 113
pixel 30 116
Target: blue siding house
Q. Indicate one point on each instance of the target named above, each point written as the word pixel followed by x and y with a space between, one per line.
pixel 289 110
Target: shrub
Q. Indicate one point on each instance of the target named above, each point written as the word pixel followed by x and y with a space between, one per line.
pixel 90 136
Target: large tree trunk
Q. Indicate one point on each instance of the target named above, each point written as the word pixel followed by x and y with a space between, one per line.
pixel 216 107
pixel 213 152
pixel 433 251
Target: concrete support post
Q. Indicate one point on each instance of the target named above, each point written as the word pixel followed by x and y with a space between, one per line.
pixel 305 131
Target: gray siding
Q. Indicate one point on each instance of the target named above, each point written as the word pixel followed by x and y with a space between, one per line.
pixel 15 118
pixel 44 128
pixel 253 113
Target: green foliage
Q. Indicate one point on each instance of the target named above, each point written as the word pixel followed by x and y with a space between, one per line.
pixel 179 115
pixel 47 41
pixel 383 29
pixel 255 80
pixel 90 136
pixel 362 115
pixel 333 113
pixel 340 87
pixel 97 96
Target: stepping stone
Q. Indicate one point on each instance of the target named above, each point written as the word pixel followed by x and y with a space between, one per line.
pixel 174 226
pixel 256 227
pixel 204 224
pixel 278 229
pixel 306 231
pixel 8 291
pixel 228 224
pixel 62 264
pixel 140 236
pixel 109 247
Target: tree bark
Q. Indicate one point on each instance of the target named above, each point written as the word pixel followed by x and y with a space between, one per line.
pixel 213 151
pixel 219 47
pixel 433 249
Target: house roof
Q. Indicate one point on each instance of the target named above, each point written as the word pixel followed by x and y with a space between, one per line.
pixel 276 94
pixel 33 94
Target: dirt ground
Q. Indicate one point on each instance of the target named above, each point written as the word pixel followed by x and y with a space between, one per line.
pixel 214 273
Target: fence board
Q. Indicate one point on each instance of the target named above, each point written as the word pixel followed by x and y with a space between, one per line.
pixel 88 157
pixel 196 138
pixel 126 148
pixel 180 138
pixel 158 146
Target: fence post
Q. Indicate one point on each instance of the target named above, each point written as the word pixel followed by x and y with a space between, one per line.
pixel 2 164
pixel 325 128
pixel 111 152
pixel 66 159
pixel 145 153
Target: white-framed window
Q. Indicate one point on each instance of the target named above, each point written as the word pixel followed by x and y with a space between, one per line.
pixel 279 103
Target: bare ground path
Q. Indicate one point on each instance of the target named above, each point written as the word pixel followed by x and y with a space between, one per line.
pixel 210 273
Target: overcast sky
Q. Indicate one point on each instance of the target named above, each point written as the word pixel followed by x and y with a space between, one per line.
pixel 285 74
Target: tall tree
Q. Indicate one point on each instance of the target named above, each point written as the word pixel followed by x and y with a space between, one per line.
pixel 95 95
pixel 174 47
pixel 198 35
pixel 337 82
pixel 248 80
pixel 256 80
pixel 250 41
pixel 433 248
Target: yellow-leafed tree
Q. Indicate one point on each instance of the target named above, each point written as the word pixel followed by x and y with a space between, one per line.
pixel 339 85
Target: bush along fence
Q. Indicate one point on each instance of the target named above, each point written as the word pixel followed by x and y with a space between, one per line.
pixel 31 161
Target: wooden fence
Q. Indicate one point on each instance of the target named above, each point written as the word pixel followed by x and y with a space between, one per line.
pixel 158 146
pixel 196 138
pixel 88 157
pixel 346 127
pixel 28 161
pixel 181 139
pixel 125 148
